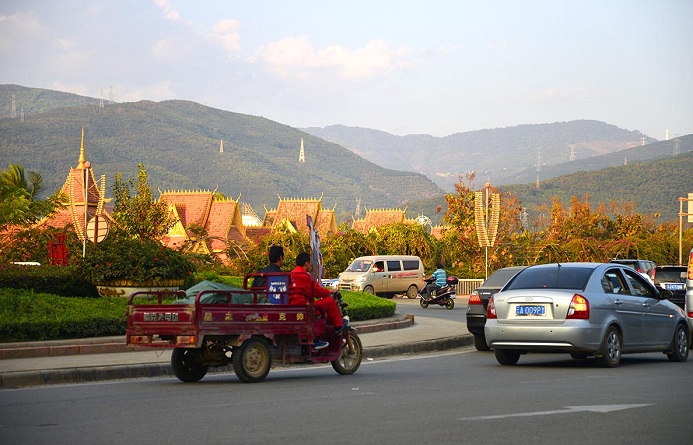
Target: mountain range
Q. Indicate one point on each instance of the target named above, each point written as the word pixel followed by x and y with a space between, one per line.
pixel 180 144
pixel 503 155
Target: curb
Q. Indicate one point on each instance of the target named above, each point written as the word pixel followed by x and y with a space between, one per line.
pixel 23 379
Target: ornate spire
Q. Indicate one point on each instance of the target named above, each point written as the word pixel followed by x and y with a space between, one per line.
pixel 80 163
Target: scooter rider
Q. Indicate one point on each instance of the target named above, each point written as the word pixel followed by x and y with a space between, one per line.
pixel 440 280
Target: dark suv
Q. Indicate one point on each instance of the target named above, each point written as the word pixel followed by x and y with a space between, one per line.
pixel 642 266
pixel 672 278
pixel 478 301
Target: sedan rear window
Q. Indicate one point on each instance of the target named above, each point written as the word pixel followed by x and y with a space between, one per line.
pixel 499 278
pixel 669 275
pixel 558 277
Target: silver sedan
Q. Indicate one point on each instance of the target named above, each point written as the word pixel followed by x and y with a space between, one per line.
pixel 584 309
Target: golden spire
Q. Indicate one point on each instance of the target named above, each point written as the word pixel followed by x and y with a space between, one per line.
pixel 80 163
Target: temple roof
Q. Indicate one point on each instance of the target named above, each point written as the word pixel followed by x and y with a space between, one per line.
pixel 78 180
pixel 378 218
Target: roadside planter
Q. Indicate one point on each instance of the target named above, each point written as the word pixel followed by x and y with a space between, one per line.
pixel 124 266
pixel 124 288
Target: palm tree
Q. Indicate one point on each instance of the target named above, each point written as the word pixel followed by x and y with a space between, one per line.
pixel 19 203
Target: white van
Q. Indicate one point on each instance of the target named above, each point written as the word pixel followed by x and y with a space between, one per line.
pixel 384 275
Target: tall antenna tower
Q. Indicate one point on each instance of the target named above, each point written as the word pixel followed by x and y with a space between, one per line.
pixel 221 146
pixel 358 207
pixel 523 219
pixel 101 99
pixel 538 166
pixel 14 106
pixel 642 140
pixel 677 146
pixel 302 153
pixel 666 135
pixel 572 151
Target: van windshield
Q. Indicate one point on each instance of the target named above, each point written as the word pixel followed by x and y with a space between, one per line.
pixel 359 266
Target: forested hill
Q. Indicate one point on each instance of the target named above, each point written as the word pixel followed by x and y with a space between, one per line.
pixel 654 151
pixel 654 186
pixel 179 144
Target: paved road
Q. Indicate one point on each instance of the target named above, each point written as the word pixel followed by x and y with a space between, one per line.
pixel 458 396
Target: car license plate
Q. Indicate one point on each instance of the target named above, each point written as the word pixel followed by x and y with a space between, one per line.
pixel 676 286
pixel 530 310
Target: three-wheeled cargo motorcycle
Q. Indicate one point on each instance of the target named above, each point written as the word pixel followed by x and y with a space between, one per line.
pixel 249 327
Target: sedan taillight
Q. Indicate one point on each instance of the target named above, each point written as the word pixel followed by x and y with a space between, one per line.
pixel 491 309
pixel 474 298
pixel 579 308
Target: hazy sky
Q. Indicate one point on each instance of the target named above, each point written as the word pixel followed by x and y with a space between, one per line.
pixel 433 67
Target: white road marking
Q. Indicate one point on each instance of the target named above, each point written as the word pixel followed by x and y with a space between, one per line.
pixel 567 410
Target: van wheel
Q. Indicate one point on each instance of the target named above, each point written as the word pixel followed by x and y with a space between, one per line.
pixel 369 290
pixel 412 292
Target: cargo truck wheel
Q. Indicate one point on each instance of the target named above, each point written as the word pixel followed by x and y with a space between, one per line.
pixel 187 364
pixel 252 360
pixel 350 359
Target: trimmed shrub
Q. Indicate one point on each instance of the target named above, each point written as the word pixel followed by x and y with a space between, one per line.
pixel 58 280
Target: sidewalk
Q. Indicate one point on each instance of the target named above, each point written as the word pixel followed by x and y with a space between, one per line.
pixel 87 360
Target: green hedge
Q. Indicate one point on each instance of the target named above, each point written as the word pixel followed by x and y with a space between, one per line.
pixel 31 316
pixel 57 280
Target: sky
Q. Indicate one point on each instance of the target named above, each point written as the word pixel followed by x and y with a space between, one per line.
pixel 404 67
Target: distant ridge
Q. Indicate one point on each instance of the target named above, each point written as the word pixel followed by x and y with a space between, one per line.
pixel 498 154
pixel 178 142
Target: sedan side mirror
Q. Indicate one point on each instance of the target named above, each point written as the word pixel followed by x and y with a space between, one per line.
pixel 665 294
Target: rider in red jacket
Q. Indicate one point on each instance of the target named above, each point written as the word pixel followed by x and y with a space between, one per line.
pixel 302 284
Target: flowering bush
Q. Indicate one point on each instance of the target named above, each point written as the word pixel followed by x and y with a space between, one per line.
pixel 134 260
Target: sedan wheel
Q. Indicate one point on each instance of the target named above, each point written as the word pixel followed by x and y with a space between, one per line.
pixel 679 345
pixel 611 348
pixel 507 356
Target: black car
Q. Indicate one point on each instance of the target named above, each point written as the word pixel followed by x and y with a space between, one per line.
pixel 672 278
pixel 478 301
pixel 642 266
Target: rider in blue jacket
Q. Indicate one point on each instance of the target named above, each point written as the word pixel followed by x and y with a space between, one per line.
pixel 441 277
